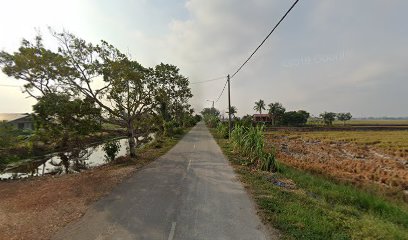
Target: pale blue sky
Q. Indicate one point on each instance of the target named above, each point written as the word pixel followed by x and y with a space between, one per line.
pixel 327 56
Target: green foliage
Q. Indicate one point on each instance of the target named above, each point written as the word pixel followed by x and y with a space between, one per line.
pixel 223 129
pixel 14 143
pixel 211 120
pixel 249 141
pixel 171 95
pixel 259 106
pixel 295 118
pixel 344 117
pixel 169 128
pixel 211 117
pixel 58 115
pixel 8 135
pixel 210 112
pixel 111 149
pixel 233 110
pixel 328 118
pixel 245 121
pixel 309 206
pixel 130 95
pixel 277 111
pixel 197 118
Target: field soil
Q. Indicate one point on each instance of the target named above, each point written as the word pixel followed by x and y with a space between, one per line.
pixel 356 162
pixel 37 208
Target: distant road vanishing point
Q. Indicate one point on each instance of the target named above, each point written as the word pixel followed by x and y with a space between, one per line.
pixel 189 193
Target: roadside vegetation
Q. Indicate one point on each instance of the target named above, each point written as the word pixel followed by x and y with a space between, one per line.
pixel 47 204
pixel 323 184
pixel 245 138
pixel 376 160
pixel 304 205
pixel 85 91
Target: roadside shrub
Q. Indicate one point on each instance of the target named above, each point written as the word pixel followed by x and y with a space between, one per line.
pixel 169 128
pixel 111 149
pixel 197 118
pixel 249 141
pixel 223 129
pixel 212 121
pixel 178 131
pixel 253 142
pixel 268 162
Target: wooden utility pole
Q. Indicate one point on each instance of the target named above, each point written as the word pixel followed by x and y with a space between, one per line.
pixel 229 107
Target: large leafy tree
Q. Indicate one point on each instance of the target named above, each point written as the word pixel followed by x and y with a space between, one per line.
pixel 171 94
pixel 64 122
pixel 328 117
pixel 344 117
pixel 210 111
pixel 259 106
pixel 276 110
pixel 124 91
pixel 295 118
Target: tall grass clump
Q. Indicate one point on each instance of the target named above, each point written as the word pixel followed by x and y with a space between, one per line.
pixel 249 141
pixel 223 129
pixel 211 120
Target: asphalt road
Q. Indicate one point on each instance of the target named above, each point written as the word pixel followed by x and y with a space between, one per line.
pixel 189 193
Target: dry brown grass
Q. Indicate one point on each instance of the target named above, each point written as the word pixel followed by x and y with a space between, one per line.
pixel 360 158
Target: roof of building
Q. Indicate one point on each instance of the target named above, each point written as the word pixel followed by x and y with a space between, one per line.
pixel 8 117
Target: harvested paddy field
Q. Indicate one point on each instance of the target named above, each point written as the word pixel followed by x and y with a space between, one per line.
pixel 378 158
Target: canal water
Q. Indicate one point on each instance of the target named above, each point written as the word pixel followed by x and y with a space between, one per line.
pixel 78 160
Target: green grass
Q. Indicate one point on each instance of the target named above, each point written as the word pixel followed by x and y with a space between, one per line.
pixel 319 208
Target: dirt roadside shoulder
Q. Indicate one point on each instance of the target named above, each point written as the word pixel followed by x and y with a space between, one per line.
pixel 39 207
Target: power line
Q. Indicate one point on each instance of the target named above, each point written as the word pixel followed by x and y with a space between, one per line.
pixel 247 60
pixel 270 33
pixel 209 80
pixel 222 91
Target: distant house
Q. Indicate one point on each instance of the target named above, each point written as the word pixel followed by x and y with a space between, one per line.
pixel 261 118
pixel 22 121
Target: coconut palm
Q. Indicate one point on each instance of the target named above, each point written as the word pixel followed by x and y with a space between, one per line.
pixel 259 106
pixel 276 110
pixel 232 111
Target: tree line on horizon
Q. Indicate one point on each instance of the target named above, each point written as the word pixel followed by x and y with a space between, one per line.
pixel 279 116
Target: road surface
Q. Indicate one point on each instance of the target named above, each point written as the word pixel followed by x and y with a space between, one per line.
pixel 189 193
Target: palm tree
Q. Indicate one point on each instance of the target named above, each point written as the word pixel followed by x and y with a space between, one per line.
pixel 259 106
pixel 232 111
pixel 276 111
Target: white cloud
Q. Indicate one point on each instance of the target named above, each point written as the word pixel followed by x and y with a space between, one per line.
pixel 211 38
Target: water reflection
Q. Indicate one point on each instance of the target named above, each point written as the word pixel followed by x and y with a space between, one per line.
pixel 63 162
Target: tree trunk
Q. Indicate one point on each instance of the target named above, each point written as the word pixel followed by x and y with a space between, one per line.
pixel 65 161
pixel 131 138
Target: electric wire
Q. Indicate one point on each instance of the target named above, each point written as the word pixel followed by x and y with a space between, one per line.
pixel 221 92
pixel 209 80
pixel 260 45
pixel 270 33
